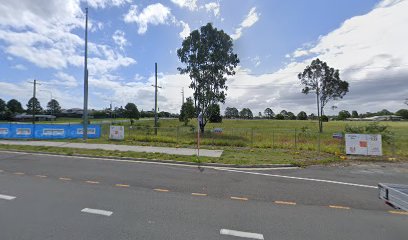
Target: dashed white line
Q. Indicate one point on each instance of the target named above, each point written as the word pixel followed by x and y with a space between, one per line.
pixel 241 234
pixel 97 211
pixel 6 197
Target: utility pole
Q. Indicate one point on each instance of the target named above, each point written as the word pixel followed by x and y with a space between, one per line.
pixel 85 111
pixel 33 102
pixel 155 99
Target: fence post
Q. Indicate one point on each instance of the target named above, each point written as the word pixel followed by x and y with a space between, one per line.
pixel 318 143
pixel 393 146
pixel 252 137
pixel 273 139
pixel 295 140
pixel 177 134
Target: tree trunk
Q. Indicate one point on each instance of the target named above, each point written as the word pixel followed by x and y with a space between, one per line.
pixel 318 111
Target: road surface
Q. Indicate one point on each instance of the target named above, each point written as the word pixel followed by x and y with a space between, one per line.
pixel 63 197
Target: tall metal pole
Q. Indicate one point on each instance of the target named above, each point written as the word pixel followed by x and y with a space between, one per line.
pixel 155 99
pixel 182 93
pixel 85 112
pixel 33 102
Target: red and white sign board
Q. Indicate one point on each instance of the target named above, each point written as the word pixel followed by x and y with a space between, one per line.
pixel 117 132
pixel 364 144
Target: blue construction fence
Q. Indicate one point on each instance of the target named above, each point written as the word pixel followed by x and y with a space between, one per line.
pixel 47 131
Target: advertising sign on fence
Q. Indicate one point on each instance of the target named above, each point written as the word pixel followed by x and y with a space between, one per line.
pixel 117 132
pixel 364 144
pixel 47 131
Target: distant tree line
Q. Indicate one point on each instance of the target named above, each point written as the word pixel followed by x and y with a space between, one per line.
pixel 8 110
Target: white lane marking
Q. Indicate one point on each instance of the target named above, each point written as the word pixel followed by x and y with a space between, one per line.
pixel 241 234
pixel 151 162
pixel 300 178
pixel 97 211
pixel 6 197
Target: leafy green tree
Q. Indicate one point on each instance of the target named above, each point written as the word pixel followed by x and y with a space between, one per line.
pixel 343 115
pixel 14 106
pixel 354 114
pixel 269 113
pixel 280 117
pixel 325 82
pixel 403 113
pixel 131 111
pixel 187 111
pixel 209 59
pixel 231 112
pixel 2 105
pixel 284 113
pixel 3 109
pixel 291 116
pixel 214 113
pixel 302 115
pixel 53 107
pixel 246 113
pixel 324 118
pixel 384 112
pixel 34 105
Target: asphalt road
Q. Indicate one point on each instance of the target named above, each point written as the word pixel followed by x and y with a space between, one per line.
pixel 80 198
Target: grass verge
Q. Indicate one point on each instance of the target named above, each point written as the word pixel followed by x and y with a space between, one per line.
pixel 235 156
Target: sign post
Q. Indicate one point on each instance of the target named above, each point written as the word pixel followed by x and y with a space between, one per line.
pixel 200 122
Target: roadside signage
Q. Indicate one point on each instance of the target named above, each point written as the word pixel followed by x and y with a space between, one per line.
pixel 364 144
pixel 117 132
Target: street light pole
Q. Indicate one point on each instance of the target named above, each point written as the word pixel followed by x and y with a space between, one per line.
pixel 85 111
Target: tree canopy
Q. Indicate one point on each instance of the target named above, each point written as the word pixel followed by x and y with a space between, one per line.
pixel 208 57
pixel 325 82
pixel 231 112
pixel 246 113
pixel 343 115
pixel 34 106
pixel 53 107
pixel 302 115
pixel 14 106
pixel 131 111
pixel 187 111
pixel 269 113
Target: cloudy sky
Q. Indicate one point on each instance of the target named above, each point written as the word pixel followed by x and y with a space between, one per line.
pixel 44 40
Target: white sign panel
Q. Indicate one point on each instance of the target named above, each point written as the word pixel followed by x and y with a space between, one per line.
pixel 4 131
pixel 117 132
pixel 23 131
pixel 364 144
pixel 53 132
pixel 89 131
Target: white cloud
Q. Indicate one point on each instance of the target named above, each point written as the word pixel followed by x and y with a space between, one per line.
pixel 248 22
pixel 106 3
pixel 154 14
pixel 66 80
pixel 374 60
pixel 48 40
pixel 189 4
pixel 19 67
pixel 213 7
pixel 120 39
pixel 186 30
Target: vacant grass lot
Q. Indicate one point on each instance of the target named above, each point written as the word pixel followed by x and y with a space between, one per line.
pixel 245 142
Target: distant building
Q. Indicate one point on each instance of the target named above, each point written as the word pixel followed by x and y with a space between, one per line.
pixel 378 118
pixel 38 117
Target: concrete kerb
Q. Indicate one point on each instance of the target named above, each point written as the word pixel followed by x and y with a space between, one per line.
pixel 218 165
